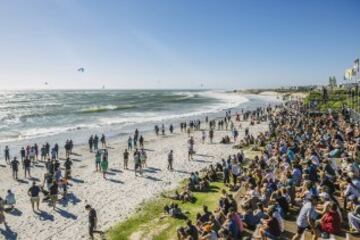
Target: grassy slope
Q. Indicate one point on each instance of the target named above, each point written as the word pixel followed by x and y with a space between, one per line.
pixel 150 222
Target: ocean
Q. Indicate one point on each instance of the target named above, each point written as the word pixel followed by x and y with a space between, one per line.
pixel 56 115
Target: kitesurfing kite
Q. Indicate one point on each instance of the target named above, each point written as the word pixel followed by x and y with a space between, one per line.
pixel 81 69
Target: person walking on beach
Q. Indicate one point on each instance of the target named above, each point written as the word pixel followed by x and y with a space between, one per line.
pixel 15 168
pixel 27 164
pixel 92 221
pixel 170 160
pixel 91 140
pixel 34 192
pixel 126 159
pixel 7 154
pixel 97 160
pixel 103 141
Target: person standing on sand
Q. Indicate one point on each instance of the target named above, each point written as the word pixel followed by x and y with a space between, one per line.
pixel 130 143
pixel 54 191
pixel 43 153
pixel 27 164
pixel 170 160
pixel 36 147
pixel 97 160
pixel 96 142
pixel 171 129
pixel 203 136
pixel 92 221
pixel 67 166
pixel 15 168
pixel 7 154
pixel 104 164
pixel 191 143
pixel 141 141
pixel 211 135
pixel 126 159
pixel 103 141
pixel 56 147
pixel 2 215
pixel 156 128
pixel 162 129
pixel 34 192
pixel 91 140
pixel 137 162
pixel 22 154
pixel 143 158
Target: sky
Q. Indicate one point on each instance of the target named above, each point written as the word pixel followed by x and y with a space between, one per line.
pixel 130 44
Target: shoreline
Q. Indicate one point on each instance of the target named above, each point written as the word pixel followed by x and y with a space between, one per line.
pixel 116 131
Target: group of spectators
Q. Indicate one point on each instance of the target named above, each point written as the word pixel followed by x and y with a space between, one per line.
pixel 307 168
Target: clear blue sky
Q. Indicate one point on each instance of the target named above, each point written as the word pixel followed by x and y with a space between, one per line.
pixel 176 43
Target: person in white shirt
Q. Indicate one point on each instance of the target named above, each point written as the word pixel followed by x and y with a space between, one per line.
pixel 10 199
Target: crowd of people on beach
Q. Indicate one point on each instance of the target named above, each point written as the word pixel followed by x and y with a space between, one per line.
pixel 307 166
pixel 58 171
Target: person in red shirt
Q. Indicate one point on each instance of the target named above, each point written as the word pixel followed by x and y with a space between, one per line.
pixel 330 222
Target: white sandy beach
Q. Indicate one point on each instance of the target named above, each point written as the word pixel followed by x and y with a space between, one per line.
pixel 114 199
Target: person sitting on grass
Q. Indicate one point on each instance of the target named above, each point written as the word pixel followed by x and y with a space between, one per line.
pixel 174 211
pixel 184 196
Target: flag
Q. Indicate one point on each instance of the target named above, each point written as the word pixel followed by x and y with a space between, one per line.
pixel 348 73
pixel 354 71
pixel 357 65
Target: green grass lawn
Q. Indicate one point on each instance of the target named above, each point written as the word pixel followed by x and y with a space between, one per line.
pixel 150 222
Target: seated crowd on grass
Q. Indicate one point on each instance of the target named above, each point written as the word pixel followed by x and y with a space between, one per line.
pixel 308 168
